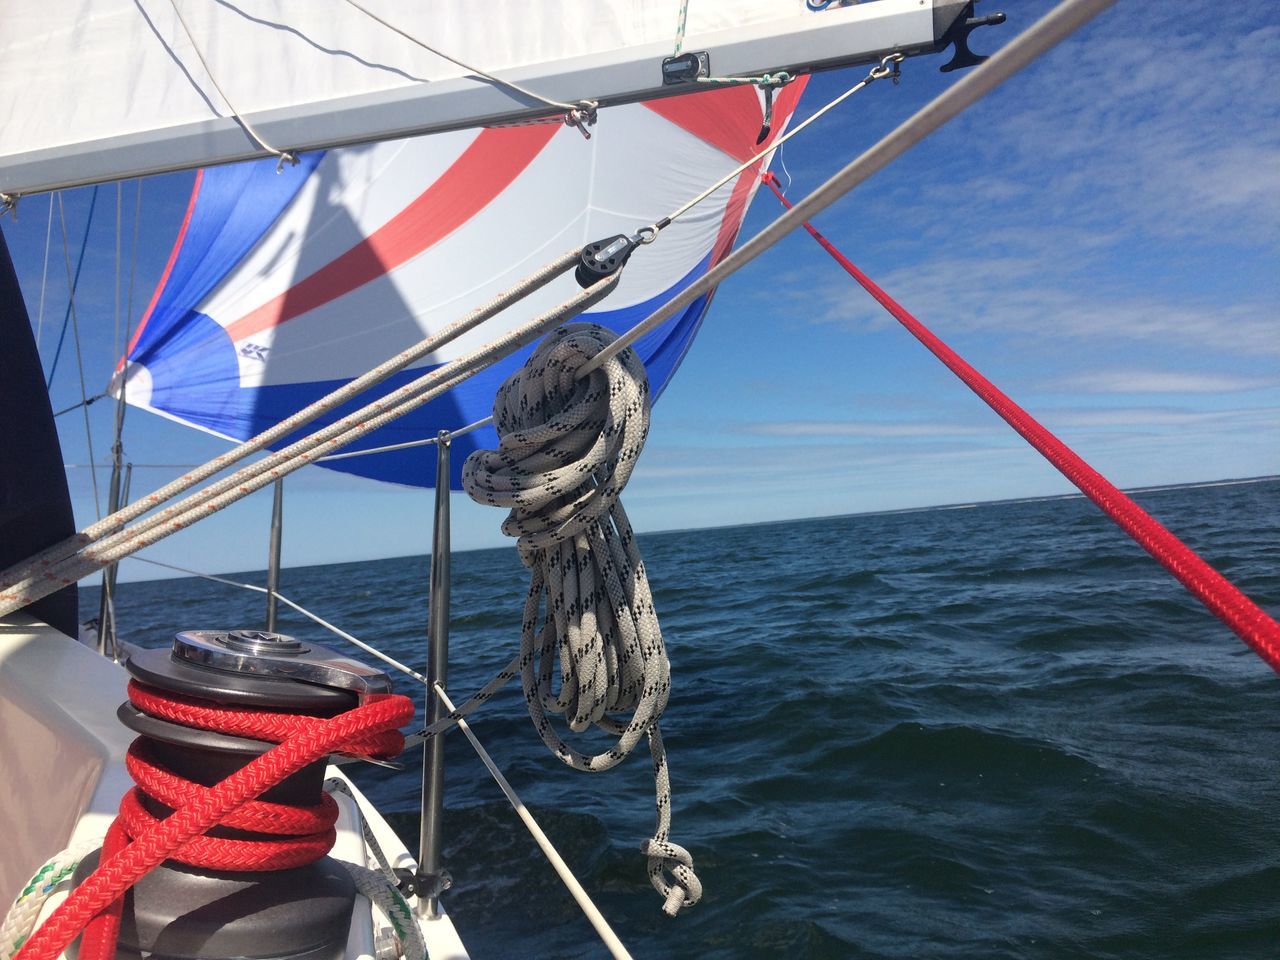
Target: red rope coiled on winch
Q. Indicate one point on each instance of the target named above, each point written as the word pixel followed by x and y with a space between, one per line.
pixel 137 841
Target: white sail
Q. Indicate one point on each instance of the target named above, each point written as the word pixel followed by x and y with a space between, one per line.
pixel 94 90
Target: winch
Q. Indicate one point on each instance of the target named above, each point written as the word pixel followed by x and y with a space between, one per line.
pixel 260 885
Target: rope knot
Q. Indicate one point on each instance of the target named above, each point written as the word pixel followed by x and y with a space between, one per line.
pixel 567 446
pixel 671 859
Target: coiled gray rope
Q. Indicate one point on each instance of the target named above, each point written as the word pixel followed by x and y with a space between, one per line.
pixel 567 448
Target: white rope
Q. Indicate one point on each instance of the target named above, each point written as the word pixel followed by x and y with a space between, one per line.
pixel 45 559
pixel 682 20
pixel 1042 35
pixel 383 893
pixel 283 156
pixel 580 895
pixel 381 886
pixel 25 911
pixel 567 448
pixel 782 162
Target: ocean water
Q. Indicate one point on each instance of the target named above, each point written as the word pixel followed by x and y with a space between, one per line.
pixel 983 732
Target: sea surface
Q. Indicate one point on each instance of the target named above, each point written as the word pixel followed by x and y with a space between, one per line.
pixel 992 731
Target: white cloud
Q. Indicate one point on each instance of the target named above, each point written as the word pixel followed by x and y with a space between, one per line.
pixel 1163 381
pixel 1032 296
pixel 1159 416
pixel 1112 152
pixel 862 428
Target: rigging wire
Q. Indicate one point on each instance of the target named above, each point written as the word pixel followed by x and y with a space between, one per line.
pixel 75 326
pixel 371 650
pixel 888 67
pixel 44 274
pixel 83 403
pixel 160 466
pixel 72 282
pixel 115 331
pixel 580 114
pixel 115 493
pixel 282 156
pixel 133 274
pixel 562 869
pixel 1041 36
pixel 451 434
pixel 40 575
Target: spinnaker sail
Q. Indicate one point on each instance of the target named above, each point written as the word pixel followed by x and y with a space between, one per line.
pixel 283 286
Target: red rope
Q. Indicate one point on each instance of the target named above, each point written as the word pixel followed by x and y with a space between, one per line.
pixel 137 841
pixel 1249 622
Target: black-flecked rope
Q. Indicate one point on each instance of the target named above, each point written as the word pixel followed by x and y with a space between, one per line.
pixel 567 448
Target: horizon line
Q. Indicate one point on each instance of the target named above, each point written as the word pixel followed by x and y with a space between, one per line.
pixel 960 505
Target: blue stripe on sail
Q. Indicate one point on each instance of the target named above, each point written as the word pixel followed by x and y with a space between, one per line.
pixel 235 206
pixel 662 349
pixel 196 378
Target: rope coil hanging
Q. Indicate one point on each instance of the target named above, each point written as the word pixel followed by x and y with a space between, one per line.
pixel 567 448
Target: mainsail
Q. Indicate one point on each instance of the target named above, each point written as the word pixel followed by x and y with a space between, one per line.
pixel 94 90
pixel 282 286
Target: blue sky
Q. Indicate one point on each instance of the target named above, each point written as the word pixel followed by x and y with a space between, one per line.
pixel 1101 237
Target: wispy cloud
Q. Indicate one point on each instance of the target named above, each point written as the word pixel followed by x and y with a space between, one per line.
pixel 862 428
pixel 1033 297
pixel 1162 381
pixel 1112 154
pixel 1159 416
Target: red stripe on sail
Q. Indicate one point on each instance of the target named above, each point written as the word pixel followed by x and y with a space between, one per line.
pixel 729 118
pixel 168 267
pixel 707 126
pixel 484 170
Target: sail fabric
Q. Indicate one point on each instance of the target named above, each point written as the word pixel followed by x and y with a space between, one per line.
pixel 93 90
pixel 283 286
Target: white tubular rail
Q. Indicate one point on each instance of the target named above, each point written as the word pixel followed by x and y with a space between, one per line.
pixel 39 580
pixel 592 912
pixel 1041 36
pixel 118 520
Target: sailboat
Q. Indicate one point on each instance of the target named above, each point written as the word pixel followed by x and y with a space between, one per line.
pixel 217 351
pixel 360 188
